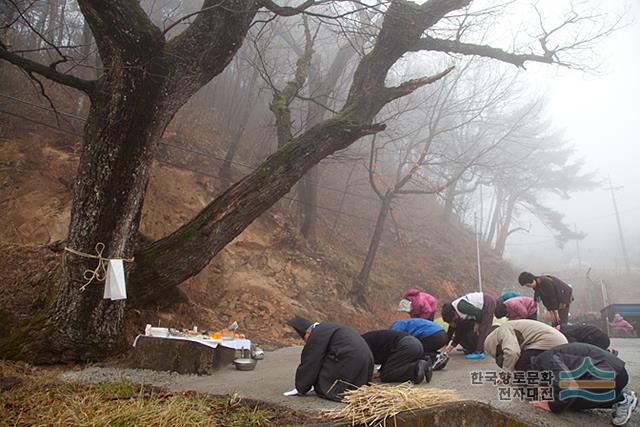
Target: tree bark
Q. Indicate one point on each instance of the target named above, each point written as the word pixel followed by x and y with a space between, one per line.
pixel 143 86
pixel 501 240
pixel 359 288
pixel 449 198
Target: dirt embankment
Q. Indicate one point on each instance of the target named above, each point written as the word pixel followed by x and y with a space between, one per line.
pixel 261 279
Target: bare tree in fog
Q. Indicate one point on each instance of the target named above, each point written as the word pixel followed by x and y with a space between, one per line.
pixel 456 127
pixel 147 77
pixel 536 163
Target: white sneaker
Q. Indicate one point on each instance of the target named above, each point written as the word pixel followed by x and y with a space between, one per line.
pixel 441 361
pixel 622 410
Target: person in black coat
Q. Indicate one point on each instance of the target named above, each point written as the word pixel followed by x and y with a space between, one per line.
pixel 400 354
pixel 572 357
pixel 587 334
pixel 335 358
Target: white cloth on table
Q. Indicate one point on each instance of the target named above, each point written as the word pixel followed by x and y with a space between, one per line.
pixel 236 343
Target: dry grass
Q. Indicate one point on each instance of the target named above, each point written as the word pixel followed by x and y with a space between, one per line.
pixel 378 404
pixel 41 400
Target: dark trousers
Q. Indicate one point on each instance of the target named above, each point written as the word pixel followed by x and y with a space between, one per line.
pixel 464 335
pixel 400 365
pixel 433 343
pixel 524 362
pixel 486 320
pixel 622 378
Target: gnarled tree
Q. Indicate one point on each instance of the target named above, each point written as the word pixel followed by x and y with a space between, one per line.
pixel 146 79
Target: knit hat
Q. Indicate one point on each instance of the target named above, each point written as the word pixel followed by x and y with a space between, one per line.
pixel 300 324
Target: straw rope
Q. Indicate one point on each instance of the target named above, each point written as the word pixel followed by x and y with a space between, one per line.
pixel 100 272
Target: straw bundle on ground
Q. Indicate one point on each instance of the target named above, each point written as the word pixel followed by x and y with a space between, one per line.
pixel 377 404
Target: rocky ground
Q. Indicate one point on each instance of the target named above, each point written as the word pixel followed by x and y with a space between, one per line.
pixel 274 375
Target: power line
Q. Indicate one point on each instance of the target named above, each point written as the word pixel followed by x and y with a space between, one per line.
pixel 38 122
pixel 189 150
pixel 202 173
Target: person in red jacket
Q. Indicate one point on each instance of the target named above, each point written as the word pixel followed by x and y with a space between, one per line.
pixel 555 295
pixel 420 304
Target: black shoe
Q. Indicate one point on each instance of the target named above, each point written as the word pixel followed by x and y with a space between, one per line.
pixel 428 373
pixel 419 371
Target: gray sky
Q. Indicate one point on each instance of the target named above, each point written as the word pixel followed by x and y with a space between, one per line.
pixel 601 117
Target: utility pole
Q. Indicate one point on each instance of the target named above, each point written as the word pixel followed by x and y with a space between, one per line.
pixel 475 226
pixel 615 208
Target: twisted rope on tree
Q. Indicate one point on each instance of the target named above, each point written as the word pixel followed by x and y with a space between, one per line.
pixel 100 272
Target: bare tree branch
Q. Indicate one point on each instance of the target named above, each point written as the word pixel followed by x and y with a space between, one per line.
pixel 410 86
pixel 30 66
pixel 451 46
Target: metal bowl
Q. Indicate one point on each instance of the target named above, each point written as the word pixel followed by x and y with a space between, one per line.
pixel 257 353
pixel 244 364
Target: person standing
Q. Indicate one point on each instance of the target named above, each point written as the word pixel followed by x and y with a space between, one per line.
pixel 555 295
pixel 400 354
pixel 420 304
pixel 515 342
pixel 335 358
pixel 478 306
pixel 517 308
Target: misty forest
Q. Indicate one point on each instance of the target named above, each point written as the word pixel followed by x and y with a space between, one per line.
pixel 250 160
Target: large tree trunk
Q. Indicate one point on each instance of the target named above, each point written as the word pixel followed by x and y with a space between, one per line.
pixel 181 255
pixel 120 135
pixel 143 87
pixel 359 287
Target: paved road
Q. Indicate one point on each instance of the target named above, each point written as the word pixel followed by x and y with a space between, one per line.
pixel 275 375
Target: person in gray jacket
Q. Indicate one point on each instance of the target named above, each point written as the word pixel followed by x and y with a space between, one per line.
pixel 335 358
pixel 515 342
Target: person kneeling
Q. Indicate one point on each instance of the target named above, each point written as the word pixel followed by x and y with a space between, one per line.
pixel 401 356
pixel 589 363
pixel 334 359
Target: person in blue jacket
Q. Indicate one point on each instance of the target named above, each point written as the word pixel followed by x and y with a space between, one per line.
pixel 432 336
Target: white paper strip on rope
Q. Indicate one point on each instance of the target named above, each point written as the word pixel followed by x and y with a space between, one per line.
pixel 115 287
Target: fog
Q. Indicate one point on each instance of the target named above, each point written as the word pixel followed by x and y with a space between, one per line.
pixel 599 112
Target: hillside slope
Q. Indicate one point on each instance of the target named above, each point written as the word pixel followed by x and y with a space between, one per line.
pixel 264 276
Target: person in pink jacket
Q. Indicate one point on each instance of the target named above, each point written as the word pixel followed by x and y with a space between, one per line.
pixel 517 308
pixel 418 304
pixel 622 325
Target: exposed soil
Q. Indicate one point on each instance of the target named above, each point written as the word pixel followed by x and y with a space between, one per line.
pixel 263 277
